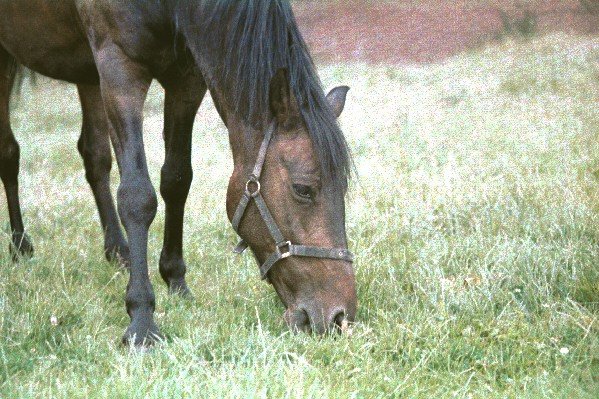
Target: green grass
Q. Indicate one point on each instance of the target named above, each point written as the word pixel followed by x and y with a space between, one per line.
pixel 475 221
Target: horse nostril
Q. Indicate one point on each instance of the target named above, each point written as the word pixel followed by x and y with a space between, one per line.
pixel 298 320
pixel 304 322
pixel 339 321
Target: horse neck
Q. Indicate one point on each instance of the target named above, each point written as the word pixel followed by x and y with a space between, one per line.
pixel 245 137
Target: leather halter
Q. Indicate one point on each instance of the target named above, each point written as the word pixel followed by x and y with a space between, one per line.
pixel 283 248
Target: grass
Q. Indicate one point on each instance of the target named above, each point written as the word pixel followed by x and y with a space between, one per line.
pixel 475 221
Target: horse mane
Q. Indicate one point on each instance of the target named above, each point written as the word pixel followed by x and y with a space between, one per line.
pixel 255 38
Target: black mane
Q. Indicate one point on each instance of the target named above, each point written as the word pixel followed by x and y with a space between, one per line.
pixel 254 39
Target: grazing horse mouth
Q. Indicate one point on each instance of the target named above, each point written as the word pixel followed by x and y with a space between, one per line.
pixel 298 319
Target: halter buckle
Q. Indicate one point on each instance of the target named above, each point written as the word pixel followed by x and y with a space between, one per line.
pixel 253 180
pixel 284 249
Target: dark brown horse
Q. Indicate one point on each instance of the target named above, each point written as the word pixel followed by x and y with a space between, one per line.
pixel 291 163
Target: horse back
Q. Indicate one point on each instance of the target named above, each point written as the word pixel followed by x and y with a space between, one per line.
pixel 56 38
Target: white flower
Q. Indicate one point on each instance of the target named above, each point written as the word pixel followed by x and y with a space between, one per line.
pixel 564 351
pixel 54 320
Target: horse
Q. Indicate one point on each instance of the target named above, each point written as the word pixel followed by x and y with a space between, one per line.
pixel 291 162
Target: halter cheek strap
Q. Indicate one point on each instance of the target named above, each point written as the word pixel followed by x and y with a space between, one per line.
pixel 283 248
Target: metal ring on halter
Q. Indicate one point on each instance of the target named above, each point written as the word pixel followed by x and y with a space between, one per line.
pixel 255 181
pixel 284 249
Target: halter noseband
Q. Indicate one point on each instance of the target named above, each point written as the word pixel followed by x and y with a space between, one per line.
pixel 283 248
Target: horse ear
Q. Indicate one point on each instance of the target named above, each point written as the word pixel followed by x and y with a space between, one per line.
pixel 336 98
pixel 281 102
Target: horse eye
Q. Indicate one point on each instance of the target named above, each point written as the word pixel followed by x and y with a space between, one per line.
pixel 304 192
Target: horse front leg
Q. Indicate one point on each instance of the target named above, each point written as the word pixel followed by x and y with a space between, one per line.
pixel 124 84
pixel 182 100
pixel 9 163
pixel 94 147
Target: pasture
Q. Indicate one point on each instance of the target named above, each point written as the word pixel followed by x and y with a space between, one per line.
pixel 474 217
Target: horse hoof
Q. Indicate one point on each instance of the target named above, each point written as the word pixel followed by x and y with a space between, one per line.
pixel 180 288
pixel 142 335
pixel 172 270
pixel 21 246
pixel 117 253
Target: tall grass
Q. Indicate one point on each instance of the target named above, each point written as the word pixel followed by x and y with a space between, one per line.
pixel 475 219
